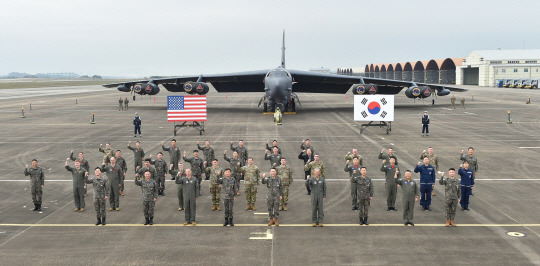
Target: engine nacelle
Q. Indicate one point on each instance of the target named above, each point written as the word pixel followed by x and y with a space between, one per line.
pixel 124 88
pixel 372 89
pixel 425 92
pixel 359 89
pixel 443 92
pixel 200 88
pixel 412 92
pixel 148 88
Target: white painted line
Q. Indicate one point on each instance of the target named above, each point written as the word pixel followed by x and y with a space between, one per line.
pixel 327 180
pixel 529 147
pixel 470 113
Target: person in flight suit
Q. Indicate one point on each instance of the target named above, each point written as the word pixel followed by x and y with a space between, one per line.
pixel 354 173
pixel 177 175
pixel 386 157
pixel 452 189
pixel 115 175
pixel 208 153
pixel 274 145
pixel 306 144
pixel 161 172
pixel 123 164
pixel 197 165
pixel 229 189
pixel 427 182
pixel 37 182
pixel 79 175
pixel 317 185
pixel 275 194
pixel 242 152
pixel 390 184
pixel 275 157
pixel 84 164
pixel 409 187
pixel 174 153
pixel 190 186
pixel 138 153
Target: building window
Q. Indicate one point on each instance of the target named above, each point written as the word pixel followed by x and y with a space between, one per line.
pixel 495 62
pixel 513 62
pixel 531 61
pixel 515 70
pixel 504 70
pixel 525 70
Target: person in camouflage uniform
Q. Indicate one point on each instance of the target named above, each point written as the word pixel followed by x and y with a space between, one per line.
pixel 452 188
pixel 251 181
pixel 354 173
pixel 197 166
pixel 318 195
pixel 433 160
pixel 177 175
pixel 274 158
pixel 471 159
pixel 453 101
pixel 462 102
pixel 37 182
pixel 174 153
pixel 123 164
pixel 79 177
pixel 365 195
pixel 208 153
pixel 108 152
pixel 126 102
pixel 149 196
pixel 311 166
pixel 350 156
pixel 120 104
pixel 161 172
pixel 191 190
pixel 390 184
pixel 242 152
pixel 386 157
pixel 409 187
pixel 147 167
pixel 229 189
pixel 115 175
pixel 101 192
pixel 84 164
pixel 215 173
pixel 285 172
pixel 275 194
pixel 234 168
pixel 306 144
pixel 274 145
pixel 138 153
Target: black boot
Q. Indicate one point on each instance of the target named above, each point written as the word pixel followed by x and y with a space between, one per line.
pixel 103 221
pixel 35 207
pixel 147 221
pixel 39 207
pixel 231 222
pixel 365 221
pixel 98 221
pixel 361 221
pixel 151 220
pixel 162 193
pixel 226 222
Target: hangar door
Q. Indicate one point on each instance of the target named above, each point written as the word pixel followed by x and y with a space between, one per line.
pixel 470 76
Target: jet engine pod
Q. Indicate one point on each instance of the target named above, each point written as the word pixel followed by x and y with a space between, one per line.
pixel 412 92
pixel 124 88
pixel 202 88
pixel 443 92
pixel 138 88
pixel 359 89
pixel 189 87
pixel 151 89
pixel 372 89
pixel 425 92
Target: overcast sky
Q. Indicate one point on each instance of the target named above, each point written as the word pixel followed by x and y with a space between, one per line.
pixel 139 38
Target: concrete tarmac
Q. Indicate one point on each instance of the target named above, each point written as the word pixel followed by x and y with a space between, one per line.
pixel 503 226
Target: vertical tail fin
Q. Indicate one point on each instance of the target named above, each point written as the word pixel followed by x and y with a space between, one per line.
pixel 283 51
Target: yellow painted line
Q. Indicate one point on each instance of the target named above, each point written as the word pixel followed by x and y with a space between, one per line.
pixel 264 225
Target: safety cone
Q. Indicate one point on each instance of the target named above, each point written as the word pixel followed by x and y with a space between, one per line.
pixel 22 116
pixel 92 121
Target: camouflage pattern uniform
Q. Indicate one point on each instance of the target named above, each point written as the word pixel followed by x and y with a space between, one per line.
pixel 473 162
pixel 390 184
pixel 251 181
pixel 208 156
pixel 365 191
pixel 149 193
pixel 286 175
pixel 174 154
pixel 191 192
pixel 229 192
pixel 107 153
pixel 275 190
pixel 433 160
pixel 139 155
pixel 115 174
pixel 410 192
pixel 453 101
pixel 462 103
pixel 197 168
pixel 177 177
pixel 161 170
pixel 144 169
pixel 101 189
pixel 120 105
pixel 274 159
pixel 385 156
pixel 79 179
pixel 122 163
pixel 354 173
pixel 126 102
pixel 234 169
pixel 271 149
pixel 311 166
pixel 318 193
pixel 84 164
pixel 37 179
pixel 452 188
pixel 215 189
pixel 242 154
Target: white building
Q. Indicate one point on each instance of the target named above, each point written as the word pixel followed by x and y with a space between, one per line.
pixel 484 67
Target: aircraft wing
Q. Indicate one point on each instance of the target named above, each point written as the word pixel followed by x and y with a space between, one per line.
pixel 401 83
pixel 250 81
pixel 308 81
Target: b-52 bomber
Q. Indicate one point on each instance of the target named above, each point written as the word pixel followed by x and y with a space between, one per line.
pixel 280 85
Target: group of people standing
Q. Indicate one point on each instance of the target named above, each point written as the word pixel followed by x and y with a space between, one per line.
pixel 224 184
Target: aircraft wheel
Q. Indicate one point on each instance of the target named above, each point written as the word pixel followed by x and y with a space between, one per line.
pixel 134 97
pixel 265 107
pixel 286 108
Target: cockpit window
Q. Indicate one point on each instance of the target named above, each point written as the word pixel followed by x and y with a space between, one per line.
pixel 278 73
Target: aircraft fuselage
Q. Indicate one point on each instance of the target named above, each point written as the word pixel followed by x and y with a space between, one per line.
pixel 278 87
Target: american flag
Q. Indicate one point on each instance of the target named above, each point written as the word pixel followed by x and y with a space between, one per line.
pixel 186 108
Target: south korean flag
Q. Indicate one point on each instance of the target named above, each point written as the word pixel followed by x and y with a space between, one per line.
pixel 373 107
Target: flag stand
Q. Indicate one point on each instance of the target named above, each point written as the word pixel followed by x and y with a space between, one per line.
pixel 195 124
pixel 382 124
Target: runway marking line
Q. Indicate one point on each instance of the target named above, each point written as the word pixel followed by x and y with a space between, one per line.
pixel 264 225
pixel 328 180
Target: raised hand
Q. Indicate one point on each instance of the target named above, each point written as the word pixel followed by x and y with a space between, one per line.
pixel 419 163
